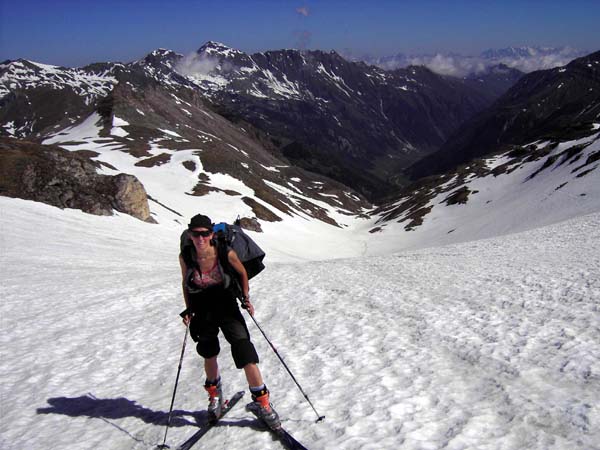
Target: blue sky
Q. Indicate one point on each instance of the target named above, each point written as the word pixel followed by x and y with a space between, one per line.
pixel 78 32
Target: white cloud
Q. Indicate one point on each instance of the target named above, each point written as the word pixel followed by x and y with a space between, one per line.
pixel 303 11
pixel 195 64
pixel 449 65
pixel 525 59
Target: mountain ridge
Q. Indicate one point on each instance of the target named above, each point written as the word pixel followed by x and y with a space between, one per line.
pixel 408 112
pixel 188 148
pixel 524 58
pixel 541 103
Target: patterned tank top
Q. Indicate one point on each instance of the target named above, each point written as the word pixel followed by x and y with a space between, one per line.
pixel 212 277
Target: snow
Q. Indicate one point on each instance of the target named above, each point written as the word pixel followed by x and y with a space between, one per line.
pixel 34 74
pixel 239 150
pixel 337 80
pixel 118 122
pixel 170 184
pixel 281 87
pixel 117 125
pixel 170 133
pixel 483 344
pixel 86 130
pixel 433 338
pixel 506 203
pixel 10 128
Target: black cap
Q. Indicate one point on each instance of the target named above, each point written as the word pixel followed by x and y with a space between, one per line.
pixel 200 221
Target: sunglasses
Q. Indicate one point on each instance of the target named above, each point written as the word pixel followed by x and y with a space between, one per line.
pixel 205 233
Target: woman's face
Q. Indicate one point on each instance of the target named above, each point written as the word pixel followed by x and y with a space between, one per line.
pixel 201 236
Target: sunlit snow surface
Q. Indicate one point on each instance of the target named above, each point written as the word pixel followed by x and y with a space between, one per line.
pixel 490 344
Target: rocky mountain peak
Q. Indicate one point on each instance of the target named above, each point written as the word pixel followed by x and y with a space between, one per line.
pixel 163 56
pixel 218 50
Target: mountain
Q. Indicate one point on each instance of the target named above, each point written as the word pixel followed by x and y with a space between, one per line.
pixel 524 59
pixel 147 120
pixel 208 131
pixel 531 159
pixel 38 98
pixel 358 124
pixel 493 81
pixel 561 102
pixel 348 121
pixel 521 188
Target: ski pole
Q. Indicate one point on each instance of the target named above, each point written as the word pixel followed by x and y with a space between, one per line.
pixel 163 445
pixel 319 417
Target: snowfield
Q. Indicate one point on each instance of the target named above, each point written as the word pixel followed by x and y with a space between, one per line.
pixel 488 344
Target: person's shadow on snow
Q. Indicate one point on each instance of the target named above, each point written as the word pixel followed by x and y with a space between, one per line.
pixel 118 408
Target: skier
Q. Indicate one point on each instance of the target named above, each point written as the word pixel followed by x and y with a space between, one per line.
pixel 211 306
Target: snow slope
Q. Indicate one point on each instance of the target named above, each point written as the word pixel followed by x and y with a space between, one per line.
pixel 169 184
pixel 530 195
pixel 489 344
pixel 527 195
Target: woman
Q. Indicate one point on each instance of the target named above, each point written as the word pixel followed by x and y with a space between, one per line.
pixel 211 306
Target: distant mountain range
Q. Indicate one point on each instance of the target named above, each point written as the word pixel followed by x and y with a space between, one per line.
pixel 524 59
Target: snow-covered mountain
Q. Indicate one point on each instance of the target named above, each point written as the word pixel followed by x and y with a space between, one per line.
pixel 524 59
pixel 554 104
pixel 147 120
pixel 354 117
pixel 168 120
pixel 529 186
pixel 529 160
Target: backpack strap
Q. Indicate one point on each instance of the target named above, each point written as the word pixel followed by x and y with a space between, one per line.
pixel 223 251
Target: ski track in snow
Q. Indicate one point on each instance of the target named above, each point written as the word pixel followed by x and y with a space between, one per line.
pixel 490 344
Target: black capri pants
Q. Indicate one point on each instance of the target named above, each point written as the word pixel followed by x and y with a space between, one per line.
pixel 215 309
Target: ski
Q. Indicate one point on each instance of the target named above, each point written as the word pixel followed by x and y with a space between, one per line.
pixel 208 425
pixel 286 439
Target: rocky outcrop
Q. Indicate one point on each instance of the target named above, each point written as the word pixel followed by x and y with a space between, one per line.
pixel 130 196
pixel 57 177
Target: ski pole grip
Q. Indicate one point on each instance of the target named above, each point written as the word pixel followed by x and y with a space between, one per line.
pixel 243 302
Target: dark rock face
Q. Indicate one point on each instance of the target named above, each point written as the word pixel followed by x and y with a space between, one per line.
pixel 54 176
pixel 494 81
pixel 560 103
pixel 355 123
pixel 251 224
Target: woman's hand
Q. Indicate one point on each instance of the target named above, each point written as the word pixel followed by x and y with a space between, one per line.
pixel 187 317
pixel 246 304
